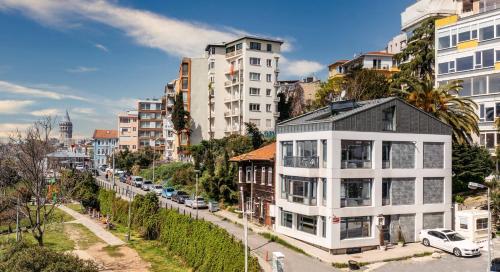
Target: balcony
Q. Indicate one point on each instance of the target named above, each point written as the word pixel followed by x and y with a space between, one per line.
pixel 355 164
pixel 301 162
pixel 227 113
pixel 234 53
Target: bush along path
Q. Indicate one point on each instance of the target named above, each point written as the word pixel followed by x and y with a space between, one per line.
pixel 201 244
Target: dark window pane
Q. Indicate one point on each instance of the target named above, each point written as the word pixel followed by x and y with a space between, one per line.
pixel 490 140
pixel 486 33
pixel 488 58
pixel 465 63
pixel 444 42
pixel 466 87
pixel 479 85
pixel 443 68
pixel 494 82
pixel 490 114
pixel 464 36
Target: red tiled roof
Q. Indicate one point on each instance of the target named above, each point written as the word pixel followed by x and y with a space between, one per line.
pixel 338 62
pixel 379 53
pixel 105 134
pixel 265 153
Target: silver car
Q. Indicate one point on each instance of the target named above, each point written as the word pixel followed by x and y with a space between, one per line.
pixel 199 203
pixel 146 185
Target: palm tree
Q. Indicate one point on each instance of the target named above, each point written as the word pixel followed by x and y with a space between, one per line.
pixel 445 104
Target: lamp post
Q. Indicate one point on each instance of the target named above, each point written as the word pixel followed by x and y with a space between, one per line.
pixel 196 192
pixel 114 171
pixel 245 225
pixel 474 186
pixel 129 193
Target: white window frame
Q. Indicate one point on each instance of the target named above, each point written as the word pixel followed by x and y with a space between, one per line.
pixel 256 61
pixel 255 107
pixel 254 91
pixel 254 76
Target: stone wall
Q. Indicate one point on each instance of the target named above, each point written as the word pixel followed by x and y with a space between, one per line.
pixel 407 224
pixel 402 191
pixel 433 190
pixel 403 155
pixel 433 220
pixel 433 155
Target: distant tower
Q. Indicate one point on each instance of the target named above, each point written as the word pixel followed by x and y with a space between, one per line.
pixel 65 130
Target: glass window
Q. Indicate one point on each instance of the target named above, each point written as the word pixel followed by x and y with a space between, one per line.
pixel 490 140
pixel 255 45
pixel 481 223
pixel 269 77
pixel 269 63
pixel 307 148
pixel 464 34
pixel 355 192
pixel 466 87
pixel 325 191
pixel 386 192
pixel 268 92
pixel 463 222
pixel 497 110
pixel 255 76
pixel 479 85
pixel 286 149
pixel 356 154
pixel 268 107
pixel 269 176
pixel 307 223
pixel 488 58
pixel 444 40
pixel 185 69
pixel 269 47
pixel 324 147
pixel 184 83
pixel 398 155
pixel 490 114
pixel 254 91
pixel 254 61
pixel 239 46
pixel 286 219
pixel 494 82
pixel 386 155
pixel 465 63
pixel 498 51
pixel 300 190
pixel 454 38
pixel 486 31
pixel 443 68
pixel 355 227
pixel 481 112
pixel 323 224
pixel 389 119
pixel 254 107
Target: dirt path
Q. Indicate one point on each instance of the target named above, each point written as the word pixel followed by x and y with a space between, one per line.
pixel 110 258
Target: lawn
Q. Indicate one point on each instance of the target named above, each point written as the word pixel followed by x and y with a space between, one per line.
pixel 85 238
pixel 77 207
pixel 153 252
pixel 55 238
pixel 57 216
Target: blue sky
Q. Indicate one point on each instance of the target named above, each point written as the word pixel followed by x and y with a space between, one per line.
pixel 95 57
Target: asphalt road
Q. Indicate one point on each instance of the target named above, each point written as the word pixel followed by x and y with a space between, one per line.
pixel 294 261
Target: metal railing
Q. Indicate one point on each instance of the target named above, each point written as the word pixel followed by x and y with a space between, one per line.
pixel 301 162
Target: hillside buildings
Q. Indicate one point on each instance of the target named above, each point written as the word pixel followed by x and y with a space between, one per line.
pixel 243 74
pixel 150 128
pixel 66 131
pixel 128 130
pixel 468 49
pixel 168 127
pixel 105 142
pixel 379 61
pixel 350 170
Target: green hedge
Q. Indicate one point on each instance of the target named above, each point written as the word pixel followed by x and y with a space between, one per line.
pixel 203 245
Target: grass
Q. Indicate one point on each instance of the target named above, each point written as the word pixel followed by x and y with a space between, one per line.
pixel 77 207
pixel 57 216
pixel 153 252
pixel 274 238
pixel 86 238
pixel 54 238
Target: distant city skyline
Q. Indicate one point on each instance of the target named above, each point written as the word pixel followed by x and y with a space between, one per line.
pixel 95 58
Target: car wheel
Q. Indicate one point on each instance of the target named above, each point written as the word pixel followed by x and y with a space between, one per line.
pixel 426 242
pixel 457 252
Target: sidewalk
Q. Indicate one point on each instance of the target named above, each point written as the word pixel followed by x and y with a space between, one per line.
pixel 370 256
pixel 94 227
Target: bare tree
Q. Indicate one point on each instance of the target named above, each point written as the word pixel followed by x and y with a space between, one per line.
pixel 29 152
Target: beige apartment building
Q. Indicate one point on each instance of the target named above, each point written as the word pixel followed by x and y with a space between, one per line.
pixel 150 128
pixel 128 130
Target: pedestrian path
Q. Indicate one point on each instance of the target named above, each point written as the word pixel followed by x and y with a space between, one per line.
pixel 94 227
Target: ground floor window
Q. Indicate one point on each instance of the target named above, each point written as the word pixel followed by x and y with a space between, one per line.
pixel 286 219
pixel 323 224
pixel 307 223
pixel 355 227
pixel 482 223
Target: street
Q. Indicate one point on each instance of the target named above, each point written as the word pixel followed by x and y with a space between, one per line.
pixel 258 245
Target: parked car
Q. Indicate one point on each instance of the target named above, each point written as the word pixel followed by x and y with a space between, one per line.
pixel 157 188
pixel 137 181
pixel 146 185
pixel 179 197
pixel 199 203
pixel 449 240
pixel 168 192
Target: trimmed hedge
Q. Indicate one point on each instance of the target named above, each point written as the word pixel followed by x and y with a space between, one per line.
pixel 203 245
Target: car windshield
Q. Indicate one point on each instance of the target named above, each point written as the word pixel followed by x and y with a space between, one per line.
pixel 200 199
pixel 455 237
pixel 170 189
pixel 148 182
pixel 181 193
pixel 138 179
pixel 158 186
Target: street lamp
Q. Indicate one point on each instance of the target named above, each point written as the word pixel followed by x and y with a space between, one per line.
pixel 474 186
pixel 245 225
pixel 114 171
pixel 196 193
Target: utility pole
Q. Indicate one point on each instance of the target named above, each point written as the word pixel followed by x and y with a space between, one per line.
pixel 251 192
pixel 129 193
pixel 196 194
pixel 114 171
pixel 154 155
pixel 489 232
pixel 245 227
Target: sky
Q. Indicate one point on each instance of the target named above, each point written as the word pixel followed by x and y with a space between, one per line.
pixel 94 58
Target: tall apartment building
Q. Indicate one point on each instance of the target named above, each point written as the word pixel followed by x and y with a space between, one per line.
pixel 168 128
pixel 468 49
pixel 348 171
pixel 243 77
pixel 128 130
pixel 150 129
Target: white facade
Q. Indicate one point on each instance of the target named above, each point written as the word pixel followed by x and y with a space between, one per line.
pixel 469 50
pixel 168 128
pixel 244 74
pixel 198 99
pixel 413 15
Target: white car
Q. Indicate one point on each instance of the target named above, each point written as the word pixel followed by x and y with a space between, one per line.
pixel 157 188
pixel 449 240
pixel 199 203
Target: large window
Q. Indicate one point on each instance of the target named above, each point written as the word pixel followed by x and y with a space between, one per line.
pixel 300 190
pixel 465 63
pixel 254 61
pixel 356 154
pixel 254 76
pixel 495 81
pixel 433 155
pixel 255 45
pixel 325 191
pixel 486 31
pixel 355 227
pixel 444 40
pixel 481 223
pixel 286 151
pixel 398 191
pixel 356 192
pixel 389 119
pixel 307 223
pixel 398 155
pixel 254 107
pixel 433 190
pixel 324 148
pixel 254 91
pixel 286 219
pixel 463 222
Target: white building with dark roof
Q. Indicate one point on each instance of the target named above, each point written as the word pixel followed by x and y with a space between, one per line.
pixel 346 172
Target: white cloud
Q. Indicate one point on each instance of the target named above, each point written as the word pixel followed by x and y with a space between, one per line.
pixel 87 111
pixel 300 68
pixel 82 69
pixel 14 106
pixel 46 112
pixel 10 129
pixel 8 87
pixel 101 47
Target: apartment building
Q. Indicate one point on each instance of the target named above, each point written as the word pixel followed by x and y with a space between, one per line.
pixel 105 142
pixel 379 61
pixel 150 128
pixel 168 128
pixel 128 130
pixel 468 49
pixel 243 76
pixel 352 171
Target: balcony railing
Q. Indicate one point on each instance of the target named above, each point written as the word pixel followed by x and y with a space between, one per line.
pixel 301 162
pixel 346 164
pixel 355 202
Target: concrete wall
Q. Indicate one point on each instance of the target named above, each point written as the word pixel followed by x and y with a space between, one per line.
pixel 199 100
